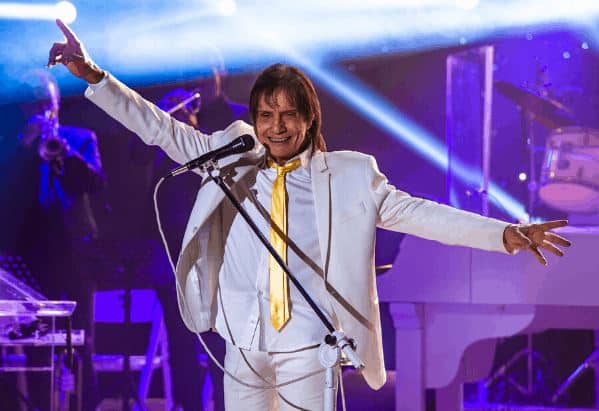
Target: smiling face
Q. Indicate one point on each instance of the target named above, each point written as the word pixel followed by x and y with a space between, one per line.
pixel 280 127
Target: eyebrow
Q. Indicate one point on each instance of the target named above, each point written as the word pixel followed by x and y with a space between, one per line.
pixel 273 106
pixel 291 110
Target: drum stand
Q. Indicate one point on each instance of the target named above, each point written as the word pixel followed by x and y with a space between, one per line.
pixel 589 363
pixel 526 118
pixel 528 135
pixel 526 123
pixel 527 390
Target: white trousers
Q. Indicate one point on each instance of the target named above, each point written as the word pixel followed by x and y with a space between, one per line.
pixel 276 368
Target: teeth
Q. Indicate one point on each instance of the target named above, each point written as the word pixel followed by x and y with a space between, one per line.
pixel 278 140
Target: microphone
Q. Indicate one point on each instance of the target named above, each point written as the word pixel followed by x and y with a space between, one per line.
pixel 239 145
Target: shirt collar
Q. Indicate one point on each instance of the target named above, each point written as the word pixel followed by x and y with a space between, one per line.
pixel 305 158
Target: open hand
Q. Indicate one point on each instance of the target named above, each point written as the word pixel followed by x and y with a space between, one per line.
pixel 73 55
pixel 531 237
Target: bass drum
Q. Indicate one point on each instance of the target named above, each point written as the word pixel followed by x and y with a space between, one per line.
pixel 570 173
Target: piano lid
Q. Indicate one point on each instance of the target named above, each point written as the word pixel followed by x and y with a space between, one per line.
pixel 18 299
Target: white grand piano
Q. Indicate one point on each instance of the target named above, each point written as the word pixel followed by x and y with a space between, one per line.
pixel 450 304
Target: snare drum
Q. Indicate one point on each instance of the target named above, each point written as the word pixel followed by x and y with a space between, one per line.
pixel 570 173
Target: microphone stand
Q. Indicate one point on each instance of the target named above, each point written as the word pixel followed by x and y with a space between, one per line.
pixel 336 342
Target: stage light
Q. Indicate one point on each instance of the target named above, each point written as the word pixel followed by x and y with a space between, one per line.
pixel 64 10
pixel 522 176
pixel 354 27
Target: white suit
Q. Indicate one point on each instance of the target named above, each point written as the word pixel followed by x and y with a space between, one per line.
pixel 351 199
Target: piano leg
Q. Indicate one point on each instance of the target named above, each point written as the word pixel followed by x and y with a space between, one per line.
pixel 409 360
pixel 450 398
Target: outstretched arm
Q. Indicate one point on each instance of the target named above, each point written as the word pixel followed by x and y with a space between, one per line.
pixel 400 212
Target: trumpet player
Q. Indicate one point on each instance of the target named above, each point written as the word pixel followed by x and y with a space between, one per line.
pixel 53 171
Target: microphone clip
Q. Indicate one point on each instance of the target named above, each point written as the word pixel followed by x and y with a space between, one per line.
pixel 211 168
pixel 205 167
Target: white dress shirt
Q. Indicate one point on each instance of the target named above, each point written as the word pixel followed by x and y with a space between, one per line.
pixel 244 277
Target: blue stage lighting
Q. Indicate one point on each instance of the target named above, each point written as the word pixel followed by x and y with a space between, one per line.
pixel 152 41
pixel 387 116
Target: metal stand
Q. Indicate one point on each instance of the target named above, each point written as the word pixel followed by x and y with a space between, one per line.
pixel 336 342
pixel 128 392
pixel 527 389
pixel 330 356
pixel 528 136
pixel 589 363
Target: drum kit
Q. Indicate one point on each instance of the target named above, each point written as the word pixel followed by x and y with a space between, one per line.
pixel 568 182
pixel 569 177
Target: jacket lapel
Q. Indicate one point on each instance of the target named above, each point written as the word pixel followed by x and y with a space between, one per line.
pixel 210 195
pixel 321 187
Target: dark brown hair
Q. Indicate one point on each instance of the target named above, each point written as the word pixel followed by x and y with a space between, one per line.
pixel 301 92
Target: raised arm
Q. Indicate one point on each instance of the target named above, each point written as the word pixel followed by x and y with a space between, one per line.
pixel 154 126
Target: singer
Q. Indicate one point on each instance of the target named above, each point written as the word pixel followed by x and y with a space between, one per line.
pixel 318 208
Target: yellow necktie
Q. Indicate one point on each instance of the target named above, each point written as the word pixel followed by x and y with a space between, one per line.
pixel 279 289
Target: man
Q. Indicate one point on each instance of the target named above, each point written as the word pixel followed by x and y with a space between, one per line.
pixel 209 110
pixel 321 207
pixel 49 220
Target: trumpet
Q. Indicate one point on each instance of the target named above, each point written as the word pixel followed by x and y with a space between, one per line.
pixel 51 146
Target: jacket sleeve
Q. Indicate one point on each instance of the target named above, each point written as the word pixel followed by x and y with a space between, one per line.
pixel 180 141
pixel 399 211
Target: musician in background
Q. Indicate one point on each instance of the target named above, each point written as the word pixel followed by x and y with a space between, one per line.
pixel 51 172
pixel 206 107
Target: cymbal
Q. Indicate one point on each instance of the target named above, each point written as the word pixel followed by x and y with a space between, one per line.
pixel 548 112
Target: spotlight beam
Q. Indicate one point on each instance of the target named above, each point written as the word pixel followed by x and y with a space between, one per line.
pixel 385 115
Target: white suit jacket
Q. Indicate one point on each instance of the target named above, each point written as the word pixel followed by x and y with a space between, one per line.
pixel 351 199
